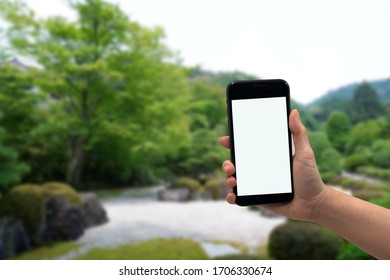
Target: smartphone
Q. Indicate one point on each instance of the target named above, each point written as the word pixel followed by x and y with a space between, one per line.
pixel 260 141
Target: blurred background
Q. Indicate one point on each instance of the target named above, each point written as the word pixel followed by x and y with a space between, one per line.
pixel 110 113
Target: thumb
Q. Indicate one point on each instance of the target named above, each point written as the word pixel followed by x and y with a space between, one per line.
pixel 301 140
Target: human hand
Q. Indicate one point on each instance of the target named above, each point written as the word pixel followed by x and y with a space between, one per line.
pixel 308 185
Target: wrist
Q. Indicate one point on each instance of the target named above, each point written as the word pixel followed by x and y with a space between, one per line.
pixel 320 204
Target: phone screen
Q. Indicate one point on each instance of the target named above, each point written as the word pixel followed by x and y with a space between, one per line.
pixel 261 146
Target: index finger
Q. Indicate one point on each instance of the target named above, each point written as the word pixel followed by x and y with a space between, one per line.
pixel 224 141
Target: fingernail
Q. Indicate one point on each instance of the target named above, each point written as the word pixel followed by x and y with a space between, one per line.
pixel 225 169
pixel 227 182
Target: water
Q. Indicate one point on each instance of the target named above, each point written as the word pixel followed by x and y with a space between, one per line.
pixel 134 220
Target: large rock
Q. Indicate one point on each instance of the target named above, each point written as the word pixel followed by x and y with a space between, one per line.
pixel 63 220
pixel 13 238
pixel 27 203
pixel 93 212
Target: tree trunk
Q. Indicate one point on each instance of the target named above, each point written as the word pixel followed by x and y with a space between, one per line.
pixel 76 160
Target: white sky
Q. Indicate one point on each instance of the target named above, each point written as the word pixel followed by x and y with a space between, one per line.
pixel 314 45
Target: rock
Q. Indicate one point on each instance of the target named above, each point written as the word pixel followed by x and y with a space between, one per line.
pixel 267 213
pixel 63 220
pixel 176 194
pixel 93 211
pixel 202 195
pixel 13 238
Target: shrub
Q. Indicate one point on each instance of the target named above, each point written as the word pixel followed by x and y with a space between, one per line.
pixel 360 185
pixel 319 142
pixel 349 251
pixel 27 203
pixel 354 161
pixel 303 241
pixel 327 177
pixel 215 186
pixel 374 172
pixel 186 182
pixel 363 135
pixel 384 202
pixel 329 164
pixel 369 194
pixel 57 189
pixel 381 153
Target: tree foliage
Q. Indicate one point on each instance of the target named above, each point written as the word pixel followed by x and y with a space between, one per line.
pixel 105 104
pixel 104 77
pixel 11 170
pixel 337 130
pixel 365 104
pixel 99 101
pixel 363 134
pixel 381 153
pixel 319 142
pixel 17 116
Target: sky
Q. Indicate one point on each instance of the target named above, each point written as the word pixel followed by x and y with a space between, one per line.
pixel 316 46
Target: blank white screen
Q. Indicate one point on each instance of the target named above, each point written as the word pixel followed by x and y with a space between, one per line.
pixel 261 146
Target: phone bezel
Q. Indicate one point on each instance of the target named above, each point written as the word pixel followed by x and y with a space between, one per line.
pixel 251 89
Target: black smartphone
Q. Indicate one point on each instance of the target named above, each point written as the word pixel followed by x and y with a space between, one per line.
pixel 260 141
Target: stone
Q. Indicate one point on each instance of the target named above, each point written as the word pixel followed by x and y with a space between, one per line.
pixel 267 213
pixel 13 238
pixel 93 212
pixel 63 220
pixel 202 195
pixel 176 194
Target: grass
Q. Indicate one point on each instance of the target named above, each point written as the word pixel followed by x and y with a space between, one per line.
pixel 49 252
pixel 262 252
pixel 156 249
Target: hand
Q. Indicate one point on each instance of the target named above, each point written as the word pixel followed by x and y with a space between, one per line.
pixel 308 186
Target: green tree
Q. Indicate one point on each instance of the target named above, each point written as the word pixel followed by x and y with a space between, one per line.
pixel 328 159
pixel 322 111
pixel 307 117
pixel 202 154
pixel 11 170
pixel 319 143
pixel 207 104
pixel 363 135
pixel 104 74
pixel 19 102
pixel 329 164
pixel 337 130
pixel 365 104
pixel 381 153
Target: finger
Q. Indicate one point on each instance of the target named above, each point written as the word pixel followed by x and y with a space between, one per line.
pixel 301 140
pixel 230 182
pixel 228 168
pixel 231 198
pixel 224 141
